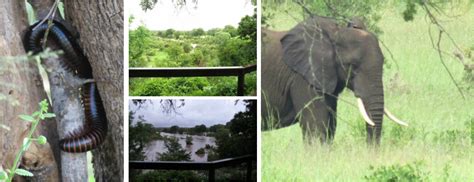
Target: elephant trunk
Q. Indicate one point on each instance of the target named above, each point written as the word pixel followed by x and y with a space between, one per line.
pixel 375 108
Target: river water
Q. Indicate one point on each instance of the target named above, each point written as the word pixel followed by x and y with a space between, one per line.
pixel 198 142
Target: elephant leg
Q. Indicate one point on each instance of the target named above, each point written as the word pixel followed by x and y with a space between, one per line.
pixel 315 122
pixel 312 111
pixel 331 102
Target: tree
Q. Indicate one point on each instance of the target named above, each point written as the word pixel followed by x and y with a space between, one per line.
pixel 174 129
pixel 231 30
pixel 198 32
pixel 139 137
pixel 248 28
pixel 169 33
pixel 215 128
pixel 240 137
pixel 139 43
pixel 175 151
pixel 187 47
pixel 106 58
pixel 213 31
pixel 200 128
pixel 174 51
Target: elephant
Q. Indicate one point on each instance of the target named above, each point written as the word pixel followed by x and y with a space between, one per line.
pixel 306 68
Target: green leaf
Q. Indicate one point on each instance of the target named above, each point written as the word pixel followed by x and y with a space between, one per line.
pixel 23 172
pixel 3 175
pixel 36 113
pixel 27 118
pixel 49 115
pixel 42 140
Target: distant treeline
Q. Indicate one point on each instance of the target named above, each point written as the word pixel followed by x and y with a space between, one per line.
pixel 196 130
pixel 177 34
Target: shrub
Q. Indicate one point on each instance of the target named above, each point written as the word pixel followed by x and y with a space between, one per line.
pixel 397 172
pixel 201 151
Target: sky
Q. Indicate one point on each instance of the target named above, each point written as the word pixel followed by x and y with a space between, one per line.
pixel 207 14
pixel 195 112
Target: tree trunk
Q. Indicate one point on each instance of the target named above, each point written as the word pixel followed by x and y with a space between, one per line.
pixel 100 26
pixel 21 89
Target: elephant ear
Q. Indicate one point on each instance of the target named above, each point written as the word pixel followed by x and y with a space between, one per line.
pixel 308 51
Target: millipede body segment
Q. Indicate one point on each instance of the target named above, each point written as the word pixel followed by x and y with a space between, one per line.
pixel 95 130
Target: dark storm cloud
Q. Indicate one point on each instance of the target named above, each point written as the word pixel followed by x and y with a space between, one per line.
pixel 195 112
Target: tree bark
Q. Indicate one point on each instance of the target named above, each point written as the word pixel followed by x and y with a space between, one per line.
pixel 21 89
pixel 100 27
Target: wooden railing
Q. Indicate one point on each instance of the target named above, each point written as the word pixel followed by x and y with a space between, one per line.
pixel 208 166
pixel 238 71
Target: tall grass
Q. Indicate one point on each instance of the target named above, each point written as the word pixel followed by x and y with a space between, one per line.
pixel 438 139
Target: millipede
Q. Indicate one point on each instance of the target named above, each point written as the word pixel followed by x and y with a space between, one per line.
pixel 95 130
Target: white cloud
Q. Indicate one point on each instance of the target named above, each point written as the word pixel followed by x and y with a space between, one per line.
pixel 208 14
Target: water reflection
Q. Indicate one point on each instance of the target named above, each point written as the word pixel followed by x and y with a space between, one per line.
pixel 198 142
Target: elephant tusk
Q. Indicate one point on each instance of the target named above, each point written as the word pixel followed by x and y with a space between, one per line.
pixel 393 118
pixel 364 113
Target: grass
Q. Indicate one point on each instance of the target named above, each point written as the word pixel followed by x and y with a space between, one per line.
pixel 420 92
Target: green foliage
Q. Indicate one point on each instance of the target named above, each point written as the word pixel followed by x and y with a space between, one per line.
pixel 440 8
pixel 200 128
pixel 23 172
pixel 407 172
pixel 240 137
pixel 346 9
pixel 198 32
pixel 231 30
pixel 175 151
pixel 410 11
pixel 341 10
pixel 229 46
pixel 193 86
pixel 139 43
pixel 200 151
pixel 174 129
pixel 3 175
pixel 248 31
pixel 34 119
pixel 139 135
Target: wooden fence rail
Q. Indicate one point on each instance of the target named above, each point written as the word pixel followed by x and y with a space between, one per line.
pixel 208 166
pixel 238 71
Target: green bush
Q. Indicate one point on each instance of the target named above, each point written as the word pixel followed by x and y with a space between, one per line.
pixel 393 173
pixel 199 86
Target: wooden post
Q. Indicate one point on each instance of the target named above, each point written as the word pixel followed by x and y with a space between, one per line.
pixel 249 170
pixel 212 175
pixel 241 84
